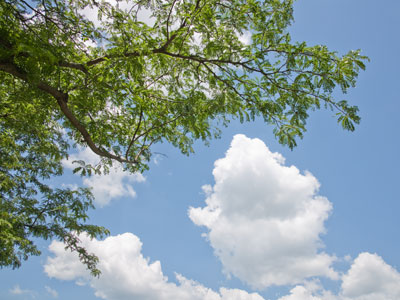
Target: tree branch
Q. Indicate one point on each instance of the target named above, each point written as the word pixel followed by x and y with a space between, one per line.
pixel 62 99
pixel 134 134
pixel 76 66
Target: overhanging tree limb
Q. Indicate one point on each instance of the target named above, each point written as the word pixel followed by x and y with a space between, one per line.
pixel 62 100
pixel 122 85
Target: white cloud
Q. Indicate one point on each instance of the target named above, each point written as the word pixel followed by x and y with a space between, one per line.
pixel 53 293
pixel 310 290
pixel 106 187
pixel 144 15
pixel 245 38
pixel 264 219
pixel 370 278
pixel 16 290
pixel 300 293
pixel 64 265
pixel 127 274
pixel 157 158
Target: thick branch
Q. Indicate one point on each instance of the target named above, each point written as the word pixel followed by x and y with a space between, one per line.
pixel 62 99
pixel 76 66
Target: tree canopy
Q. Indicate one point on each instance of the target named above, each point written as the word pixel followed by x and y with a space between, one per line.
pixel 118 77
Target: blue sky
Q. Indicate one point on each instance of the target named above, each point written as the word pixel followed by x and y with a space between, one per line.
pixel 346 242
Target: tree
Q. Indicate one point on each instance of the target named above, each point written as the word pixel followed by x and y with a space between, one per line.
pixel 118 85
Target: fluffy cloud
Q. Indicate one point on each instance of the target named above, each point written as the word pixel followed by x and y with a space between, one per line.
pixel 310 290
pixel 300 293
pixel 127 274
pixel 370 278
pixel 264 218
pixel 106 187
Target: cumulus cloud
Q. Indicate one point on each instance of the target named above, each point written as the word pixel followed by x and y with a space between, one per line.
pixel 127 274
pixel 368 278
pixel 264 218
pixel 310 290
pixel 106 187
pixel 371 278
pixel 300 293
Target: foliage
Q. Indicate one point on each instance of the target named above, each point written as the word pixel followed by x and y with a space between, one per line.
pixel 117 85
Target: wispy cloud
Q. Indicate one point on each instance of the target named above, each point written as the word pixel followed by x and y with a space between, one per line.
pixel 53 293
pixel 17 290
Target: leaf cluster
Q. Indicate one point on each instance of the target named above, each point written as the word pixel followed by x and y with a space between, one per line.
pixel 119 85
